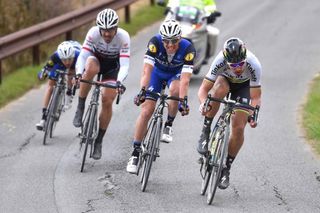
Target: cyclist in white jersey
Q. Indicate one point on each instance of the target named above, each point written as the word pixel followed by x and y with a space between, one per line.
pixel 105 51
pixel 237 71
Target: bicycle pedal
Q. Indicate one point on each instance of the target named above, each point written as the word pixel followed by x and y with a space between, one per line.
pixel 200 160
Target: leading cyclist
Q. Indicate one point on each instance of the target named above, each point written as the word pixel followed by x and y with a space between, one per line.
pixel 64 58
pixel 106 50
pixel 235 70
pixel 169 58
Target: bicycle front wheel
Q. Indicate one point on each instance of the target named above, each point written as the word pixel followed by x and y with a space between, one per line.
pixel 207 169
pixel 151 151
pixel 57 109
pixel 218 157
pixel 89 127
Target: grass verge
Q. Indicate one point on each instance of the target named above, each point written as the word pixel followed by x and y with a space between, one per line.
pixel 17 83
pixel 311 115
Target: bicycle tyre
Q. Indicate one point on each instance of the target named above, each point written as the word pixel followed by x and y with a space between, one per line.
pixel 205 181
pixel 218 164
pixel 154 135
pixel 88 136
pixel 49 120
pixel 208 167
pixel 56 111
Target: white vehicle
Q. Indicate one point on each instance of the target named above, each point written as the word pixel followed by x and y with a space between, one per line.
pixel 198 28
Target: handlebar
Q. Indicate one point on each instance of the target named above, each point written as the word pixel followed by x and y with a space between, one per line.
pixel 163 96
pixel 107 85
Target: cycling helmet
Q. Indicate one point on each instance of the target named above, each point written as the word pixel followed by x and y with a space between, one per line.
pixel 107 19
pixel 65 50
pixel 170 29
pixel 234 50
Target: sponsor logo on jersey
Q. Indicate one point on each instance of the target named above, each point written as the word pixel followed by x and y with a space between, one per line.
pixel 50 63
pixel 189 57
pixel 252 72
pixel 218 66
pixel 152 48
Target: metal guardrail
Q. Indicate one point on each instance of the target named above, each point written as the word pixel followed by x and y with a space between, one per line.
pixel 37 34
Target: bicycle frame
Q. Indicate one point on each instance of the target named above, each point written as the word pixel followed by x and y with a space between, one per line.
pixel 55 105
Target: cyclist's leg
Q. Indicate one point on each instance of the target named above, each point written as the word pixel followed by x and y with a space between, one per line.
pixel 238 123
pixel 220 90
pixel 173 82
pixel 46 100
pixel 147 108
pixel 92 68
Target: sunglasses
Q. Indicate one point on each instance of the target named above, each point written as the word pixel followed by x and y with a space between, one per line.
pixel 235 65
pixel 170 41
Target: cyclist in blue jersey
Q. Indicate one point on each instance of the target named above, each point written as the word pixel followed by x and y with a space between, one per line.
pixel 169 58
pixel 64 58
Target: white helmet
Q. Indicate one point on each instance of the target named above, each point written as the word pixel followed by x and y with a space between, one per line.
pixel 65 50
pixel 170 29
pixel 107 19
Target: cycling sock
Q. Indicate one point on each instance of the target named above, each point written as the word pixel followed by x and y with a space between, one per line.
pixel 69 92
pixel 170 120
pixel 136 148
pixel 101 133
pixel 82 102
pixel 207 122
pixel 230 159
pixel 44 113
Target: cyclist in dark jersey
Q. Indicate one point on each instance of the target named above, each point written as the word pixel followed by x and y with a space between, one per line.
pixel 169 58
pixel 63 59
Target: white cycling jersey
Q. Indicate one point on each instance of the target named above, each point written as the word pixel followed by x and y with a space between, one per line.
pixel 115 52
pixel 252 70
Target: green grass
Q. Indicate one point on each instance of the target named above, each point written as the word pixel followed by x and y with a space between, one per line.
pixel 311 115
pixel 144 17
pixel 17 83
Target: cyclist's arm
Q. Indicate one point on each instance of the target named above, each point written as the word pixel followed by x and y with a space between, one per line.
pixel 184 84
pixel 204 89
pixel 255 94
pixel 124 57
pixel 146 75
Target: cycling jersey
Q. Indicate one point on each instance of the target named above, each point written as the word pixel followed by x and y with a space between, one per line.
pixel 252 70
pixel 167 68
pixel 54 63
pixel 113 56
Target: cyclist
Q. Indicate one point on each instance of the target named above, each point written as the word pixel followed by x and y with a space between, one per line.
pixel 64 58
pixel 105 51
pixel 235 70
pixel 169 58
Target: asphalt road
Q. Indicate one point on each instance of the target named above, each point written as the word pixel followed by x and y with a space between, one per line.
pixel 276 170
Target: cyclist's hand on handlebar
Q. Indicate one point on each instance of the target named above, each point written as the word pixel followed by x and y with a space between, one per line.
pixel 253 119
pixel 141 97
pixel 184 107
pixel 120 88
pixel 76 80
pixel 43 74
pixel 204 108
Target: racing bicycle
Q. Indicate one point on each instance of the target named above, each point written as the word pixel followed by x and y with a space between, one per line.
pixel 214 161
pixel 89 129
pixel 56 104
pixel 150 144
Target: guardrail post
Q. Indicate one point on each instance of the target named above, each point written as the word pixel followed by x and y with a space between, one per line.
pixel 36 55
pixel 127 13
pixel 69 35
pixel 152 2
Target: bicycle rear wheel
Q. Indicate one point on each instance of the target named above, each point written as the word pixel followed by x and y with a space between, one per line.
pixel 151 149
pixel 88 134
pixel 217 163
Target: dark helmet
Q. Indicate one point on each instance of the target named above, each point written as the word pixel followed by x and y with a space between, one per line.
pixel 234 50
